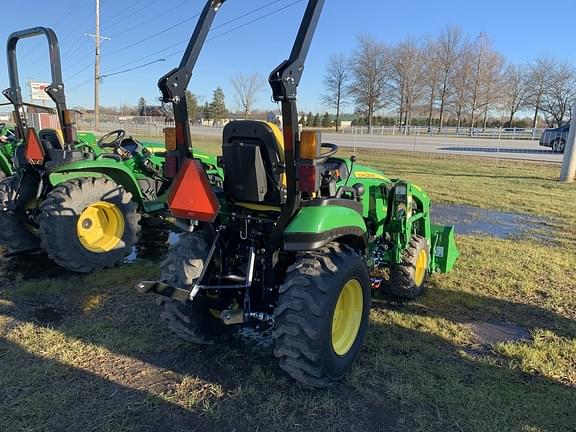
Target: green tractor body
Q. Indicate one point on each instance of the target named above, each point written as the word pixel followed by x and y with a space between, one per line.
pixel 81 199
pixel 296 238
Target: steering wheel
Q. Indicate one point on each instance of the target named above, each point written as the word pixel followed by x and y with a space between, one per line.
pixel 112 139
pixel 333 149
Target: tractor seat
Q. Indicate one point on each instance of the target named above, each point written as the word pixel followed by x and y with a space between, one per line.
pixel 253 160
pixel 52 139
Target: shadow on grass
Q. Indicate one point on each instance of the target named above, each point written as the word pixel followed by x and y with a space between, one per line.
pixel 37 393
pixel 465 307
pixel 405 379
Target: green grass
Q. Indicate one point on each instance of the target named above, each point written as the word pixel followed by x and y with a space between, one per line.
pixel 111 365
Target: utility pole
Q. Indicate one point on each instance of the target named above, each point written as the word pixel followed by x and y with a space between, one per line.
pixel 97 38
pixel 569 165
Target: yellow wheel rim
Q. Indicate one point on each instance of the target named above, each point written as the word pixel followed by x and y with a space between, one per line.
pixel 347 317
pixel 100 227
pixel 421 267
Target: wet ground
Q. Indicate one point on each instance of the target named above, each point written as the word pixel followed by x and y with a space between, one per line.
pixel 475 220
pixel 493 333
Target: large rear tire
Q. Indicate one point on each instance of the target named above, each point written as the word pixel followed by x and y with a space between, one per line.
pixel 88 224
pixel 322 315
pixel 15 234
pixel 408 279
pixel 195 321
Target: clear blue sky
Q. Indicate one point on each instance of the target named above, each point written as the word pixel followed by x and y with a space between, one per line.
pixel 520 30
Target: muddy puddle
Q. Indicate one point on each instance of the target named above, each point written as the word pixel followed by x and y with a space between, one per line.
pixel 493 333
pixel 475 220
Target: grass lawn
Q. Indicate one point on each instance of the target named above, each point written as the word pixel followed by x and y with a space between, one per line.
pixel 81 353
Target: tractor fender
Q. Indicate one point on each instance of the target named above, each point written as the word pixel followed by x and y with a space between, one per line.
pixel 315 226
pixel 106 168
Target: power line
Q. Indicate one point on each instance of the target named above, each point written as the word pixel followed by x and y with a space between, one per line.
pixel 119 19
pixel 184 21
pixel 154 18
pixel 131 69
pixel 186 41
pixel 67 12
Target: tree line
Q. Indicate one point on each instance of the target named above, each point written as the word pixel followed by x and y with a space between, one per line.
pixel 450 79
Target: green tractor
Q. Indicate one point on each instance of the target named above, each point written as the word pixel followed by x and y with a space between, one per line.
pixel 82 202
pixel 8 144
pixel 9 141
pixel 296 239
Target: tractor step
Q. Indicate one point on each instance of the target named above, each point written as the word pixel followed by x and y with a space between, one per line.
pixel 164 290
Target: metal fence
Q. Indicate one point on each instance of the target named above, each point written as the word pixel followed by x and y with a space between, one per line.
pixel 489 133
pixel 496 143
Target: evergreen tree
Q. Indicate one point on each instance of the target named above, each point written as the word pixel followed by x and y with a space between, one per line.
pixel 309 119
pixel 316 121
pixel 326 121
pixel 192 104
pixel 218 106
pixel 207 112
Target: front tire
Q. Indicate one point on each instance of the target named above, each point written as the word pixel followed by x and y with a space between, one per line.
pixel 195 321
pixel 322 315
pixel 409 277
pixel 15 234
pixel 88 224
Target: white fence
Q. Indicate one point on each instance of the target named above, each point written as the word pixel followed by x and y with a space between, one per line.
pixel 488 133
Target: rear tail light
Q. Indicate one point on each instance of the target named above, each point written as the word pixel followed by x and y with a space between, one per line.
pixel 191 195
pixel 171 166
pixel 33 150
pixel 309 177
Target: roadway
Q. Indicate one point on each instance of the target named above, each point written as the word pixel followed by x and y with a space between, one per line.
pixel 438 145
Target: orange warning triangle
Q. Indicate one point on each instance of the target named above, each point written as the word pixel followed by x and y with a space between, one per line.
pixel 191 195
pixel 33 151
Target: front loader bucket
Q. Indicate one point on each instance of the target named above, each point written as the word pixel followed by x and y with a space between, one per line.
pixel 444 250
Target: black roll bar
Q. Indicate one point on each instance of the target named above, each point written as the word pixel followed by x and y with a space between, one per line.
pixel 55 89
pixel 284 81
pixel 173 85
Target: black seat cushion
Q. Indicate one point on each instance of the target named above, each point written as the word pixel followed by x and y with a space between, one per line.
pixel 253 170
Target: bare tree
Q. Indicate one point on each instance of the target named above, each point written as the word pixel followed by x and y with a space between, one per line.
pixel 538 72
pixel 492 83
pixel 461 83
pixel 370 76
pixel 515 90
pixel 407 77
pixel 431 73
pixel 336 80
pixel 449 49
pixel 484 87
pixel 560 92
pixel 247 88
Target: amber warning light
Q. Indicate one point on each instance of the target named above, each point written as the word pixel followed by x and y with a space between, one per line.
pixel 191 195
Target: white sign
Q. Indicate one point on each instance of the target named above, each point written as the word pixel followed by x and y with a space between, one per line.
pixel 38 91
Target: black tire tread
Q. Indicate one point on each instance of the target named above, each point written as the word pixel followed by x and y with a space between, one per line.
pixel 401 275
pixel 56 206
pixel 13 233
pixel 298 315
pixel 179 270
